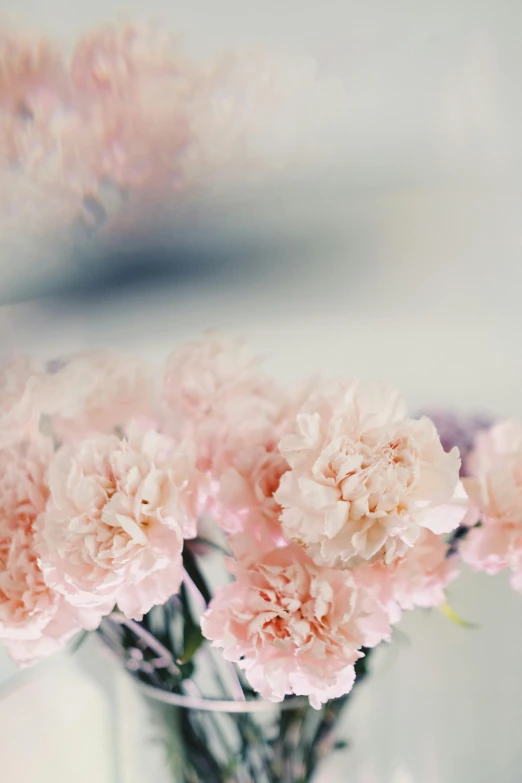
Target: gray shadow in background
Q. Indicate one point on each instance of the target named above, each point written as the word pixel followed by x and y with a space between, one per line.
pixel 281 232
pixel 153 265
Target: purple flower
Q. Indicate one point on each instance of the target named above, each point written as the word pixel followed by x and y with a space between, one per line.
pixel 458 431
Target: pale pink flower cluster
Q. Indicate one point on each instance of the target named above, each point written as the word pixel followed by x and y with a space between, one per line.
pixel 20 391
pixel 292 625
pixel 95 503
pixel 364 479
pixel 113 530
pixel 126 112
pixel 421 575
pixel 495 491
pixel 34 620
pixel 359 504
pixel 98 391
pixel 331 501
pixel 117 111
pixel 216 375
pixel 417 579
pixel 236 414
pixel 298 627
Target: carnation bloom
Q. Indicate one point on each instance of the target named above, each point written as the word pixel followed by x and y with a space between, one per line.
pixel 20 400
pixel 8 131
pixel 242 493
pixel 111 60
pixel 293 626
pixel 60 153
pixel 113 529
pixel 421 575
pixel 97 391
pixel 364 479
pixel 237 415
pixel 126 71
pixel 98 116
pixel 417 579
pixel 495 491
pixel 215 375
pixel 34 620
pixel 30 70
pixel 73 124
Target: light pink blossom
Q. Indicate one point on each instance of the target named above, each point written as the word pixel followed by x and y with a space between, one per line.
pixel 34 620
pixel 72 124
pixel 114 526
pixel 126 71
pixel 99 117
pixel 216 376
pixel 21 399
pixel 241 483
pixel 417 579
pixel 111 60
pixel 98 391
pixel 364 479
pixel 61 151
pixel 31 70
pixel 379 609
pixel 245 462
pixel 495 490
pixel 145 143
pixel 237 415
pixel 422 574
pixel 490 547
pixel 291 625
pixel 8 134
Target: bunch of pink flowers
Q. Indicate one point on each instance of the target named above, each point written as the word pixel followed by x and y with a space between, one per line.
pixel 113 112
pixel 123 124
pixel 336 508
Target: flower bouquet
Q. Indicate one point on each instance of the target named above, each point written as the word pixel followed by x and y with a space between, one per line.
pixel 104 136
pixel 240 547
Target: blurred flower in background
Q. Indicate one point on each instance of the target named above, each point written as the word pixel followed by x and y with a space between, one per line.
pixel 125 125
pixel 460 431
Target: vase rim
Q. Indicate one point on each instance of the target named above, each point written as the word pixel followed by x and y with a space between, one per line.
pixel 220 705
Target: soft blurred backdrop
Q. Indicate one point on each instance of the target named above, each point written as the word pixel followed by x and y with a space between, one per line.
pixel 397 260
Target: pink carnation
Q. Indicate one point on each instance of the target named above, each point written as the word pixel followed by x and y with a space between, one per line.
pixel 20 400
pixel 98 391
pixel 246 464
pixel 495 490
pixel 126 71
pixel 114 525
pixel 144 147
pixel 364 479
pixel 379 609
pixel 291 625
pixel 490 547
pixel 236 415
pixel 99 120
pixel 417 579
pixel 113 59
pixel 422 574
pixel 241 495
pixel 34 620
pixel 31 71
pixel 59 154
pixel 217 376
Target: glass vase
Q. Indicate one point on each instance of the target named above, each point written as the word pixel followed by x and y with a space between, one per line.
pixel 251 741
pixel 211 724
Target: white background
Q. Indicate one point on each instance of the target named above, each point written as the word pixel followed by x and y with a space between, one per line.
pixel 421 288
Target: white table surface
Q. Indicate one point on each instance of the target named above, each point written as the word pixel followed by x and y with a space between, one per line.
pixel 421 288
